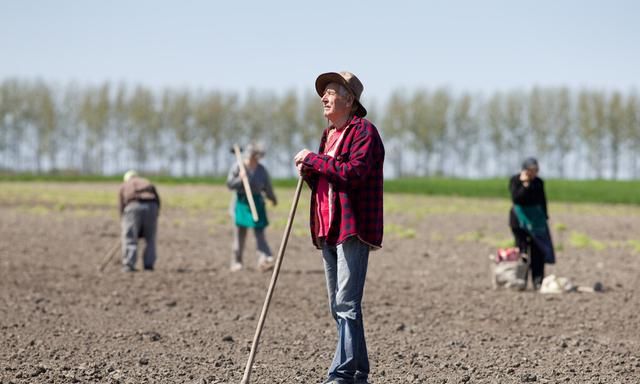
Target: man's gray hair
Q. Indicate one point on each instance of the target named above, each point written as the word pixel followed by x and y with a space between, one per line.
pixel 343 91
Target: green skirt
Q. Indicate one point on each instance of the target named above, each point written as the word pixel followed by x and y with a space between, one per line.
pixel 531 218
pixel 243 211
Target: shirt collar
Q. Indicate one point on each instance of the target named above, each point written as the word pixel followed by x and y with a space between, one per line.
pixel 346 124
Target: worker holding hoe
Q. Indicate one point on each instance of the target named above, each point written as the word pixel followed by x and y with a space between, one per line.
pixel 346 181
pixel 257 180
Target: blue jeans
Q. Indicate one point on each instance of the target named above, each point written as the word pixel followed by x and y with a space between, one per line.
pixel 345 267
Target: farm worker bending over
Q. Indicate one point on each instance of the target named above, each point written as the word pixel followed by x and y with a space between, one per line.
pixel 260 183
pixel 528 219
pixel 345 177
pixel 139 209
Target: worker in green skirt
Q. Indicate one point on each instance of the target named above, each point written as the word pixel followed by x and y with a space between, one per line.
pixel 260 183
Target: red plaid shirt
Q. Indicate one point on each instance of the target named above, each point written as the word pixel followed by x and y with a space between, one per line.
pixel 355 174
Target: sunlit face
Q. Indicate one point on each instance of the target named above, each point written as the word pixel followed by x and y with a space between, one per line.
pixel 335 105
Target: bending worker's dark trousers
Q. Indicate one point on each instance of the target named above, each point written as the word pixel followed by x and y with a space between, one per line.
pixel 139 219
pixel 536 256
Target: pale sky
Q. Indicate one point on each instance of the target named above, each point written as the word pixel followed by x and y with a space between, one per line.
pixel 277 45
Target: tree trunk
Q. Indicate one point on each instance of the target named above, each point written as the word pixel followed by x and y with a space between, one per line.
pixel 398 158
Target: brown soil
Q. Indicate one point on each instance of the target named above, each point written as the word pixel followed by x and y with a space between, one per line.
pixel 431 314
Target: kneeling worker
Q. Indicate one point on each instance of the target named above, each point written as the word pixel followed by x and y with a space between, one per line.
pixel 139 209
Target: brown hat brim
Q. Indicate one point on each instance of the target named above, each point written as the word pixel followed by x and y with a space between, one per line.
pixel 332 77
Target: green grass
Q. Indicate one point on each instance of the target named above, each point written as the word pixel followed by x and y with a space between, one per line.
pixel 400 231
pixel 635 245
pixel 594 191
pixel 404 213
pixel 448 187
pixel 578 191
pixel 478 236
pixel 73 178
pixel 581 240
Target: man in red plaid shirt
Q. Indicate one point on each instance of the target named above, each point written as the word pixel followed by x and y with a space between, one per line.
pixel 346 181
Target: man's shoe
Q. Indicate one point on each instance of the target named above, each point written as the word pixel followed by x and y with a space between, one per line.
pixel 333 380
pixel 128 268
pixel 235 267
pixel 337 380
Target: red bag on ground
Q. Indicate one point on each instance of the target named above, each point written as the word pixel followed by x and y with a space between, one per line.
pixel 507 254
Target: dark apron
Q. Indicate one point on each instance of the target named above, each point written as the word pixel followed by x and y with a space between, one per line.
pixel 533 220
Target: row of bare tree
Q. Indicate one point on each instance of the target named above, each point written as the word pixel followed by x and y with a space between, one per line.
pixel 107 129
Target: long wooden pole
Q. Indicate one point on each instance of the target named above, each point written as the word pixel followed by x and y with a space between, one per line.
pixel 272 284
pixel 245 183
pixel 109 255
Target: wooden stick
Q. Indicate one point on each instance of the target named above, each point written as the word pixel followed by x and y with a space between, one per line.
pixel 245 183
pixel 272 284
pixel 109 255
